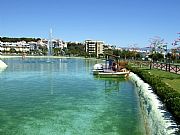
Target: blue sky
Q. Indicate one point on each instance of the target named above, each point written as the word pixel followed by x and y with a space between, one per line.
pixel 117 22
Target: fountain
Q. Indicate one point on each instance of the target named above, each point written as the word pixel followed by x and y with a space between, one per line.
pixel 49 46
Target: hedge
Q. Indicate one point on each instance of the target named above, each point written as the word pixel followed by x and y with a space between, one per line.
pixel 167 95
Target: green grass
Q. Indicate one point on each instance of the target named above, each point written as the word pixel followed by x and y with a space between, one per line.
pixel 172 79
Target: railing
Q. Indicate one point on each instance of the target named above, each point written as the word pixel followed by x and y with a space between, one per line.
pixel 169 67
pixel 175 68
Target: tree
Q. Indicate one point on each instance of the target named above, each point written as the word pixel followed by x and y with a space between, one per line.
pixel 108 52
pixel 125 54
pixel 57 51
pixel 93 55
pixel 77 49
pixel 116 52
pixel 157 56
pixel 12 50
pixel 157 44
pixel 8 39
pixel 43 50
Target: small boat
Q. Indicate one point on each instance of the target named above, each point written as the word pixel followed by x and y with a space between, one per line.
pixel 98 68
pixel 108 73
pixel 3 66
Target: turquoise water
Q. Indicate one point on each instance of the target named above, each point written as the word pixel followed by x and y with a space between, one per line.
pixel 41 96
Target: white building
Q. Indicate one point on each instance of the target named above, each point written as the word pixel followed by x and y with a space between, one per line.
pixel 57 43
pixel 17 46
pixel 33 46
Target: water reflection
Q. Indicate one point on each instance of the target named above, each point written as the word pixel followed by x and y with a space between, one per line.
pixel 50 78
pixel 89 63
pixel 34 64
pixel 111 84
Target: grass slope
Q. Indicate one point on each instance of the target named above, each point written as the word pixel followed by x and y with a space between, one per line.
pixel 171 79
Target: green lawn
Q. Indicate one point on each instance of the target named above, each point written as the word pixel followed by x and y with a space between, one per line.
pixel 171 79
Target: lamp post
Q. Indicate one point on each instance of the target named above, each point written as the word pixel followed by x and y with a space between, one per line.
pixel 165 55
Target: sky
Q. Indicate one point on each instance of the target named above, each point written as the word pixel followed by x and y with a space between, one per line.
pixel 122 23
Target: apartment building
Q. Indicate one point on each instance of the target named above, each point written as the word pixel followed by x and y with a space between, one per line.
pixel 94 47
pixel 57 43
pixel 17 46
pixel 31 46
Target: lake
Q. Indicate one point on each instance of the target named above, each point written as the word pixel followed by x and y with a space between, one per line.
pixel 41 96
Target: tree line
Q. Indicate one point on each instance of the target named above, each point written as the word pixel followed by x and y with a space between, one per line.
pixel 9 39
